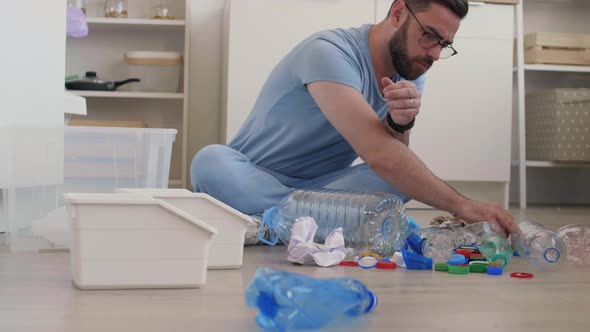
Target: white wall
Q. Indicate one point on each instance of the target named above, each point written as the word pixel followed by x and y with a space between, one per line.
pixel 205 85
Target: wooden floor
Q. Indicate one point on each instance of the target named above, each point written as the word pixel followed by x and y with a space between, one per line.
pixel 36 294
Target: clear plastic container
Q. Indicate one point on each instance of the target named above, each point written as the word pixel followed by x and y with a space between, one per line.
pixel 577 241
pixel 371 222
pixel 289 301
pixel 96 159
pixel 540 246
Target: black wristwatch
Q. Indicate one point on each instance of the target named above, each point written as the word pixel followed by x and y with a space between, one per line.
pixel 398 128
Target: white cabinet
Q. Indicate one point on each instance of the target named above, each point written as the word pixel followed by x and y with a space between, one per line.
pixel 258 33
pixel 103 51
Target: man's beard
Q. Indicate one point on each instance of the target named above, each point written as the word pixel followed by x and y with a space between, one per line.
pixel 398 48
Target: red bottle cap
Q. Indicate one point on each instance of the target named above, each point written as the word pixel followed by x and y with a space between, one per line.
pixel 348 263
pixel 386 265
pixel 521 275
pixel 464 252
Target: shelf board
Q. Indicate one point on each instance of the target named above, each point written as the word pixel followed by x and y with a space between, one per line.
pixel 125 94
pixel 104 23
pixel 557 68
pixel 554 164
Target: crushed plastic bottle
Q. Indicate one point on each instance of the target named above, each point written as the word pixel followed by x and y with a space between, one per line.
pixel 289 300
pixel 371 222
pixel 540 246
pixel 489 240
pixel 577 242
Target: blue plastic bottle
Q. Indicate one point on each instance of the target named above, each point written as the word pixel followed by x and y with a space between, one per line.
pixel 371 222
pixel 288 300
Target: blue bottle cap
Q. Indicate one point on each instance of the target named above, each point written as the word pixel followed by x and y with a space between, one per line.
pixel 495 270
pixel 373 303
pixel 415 243
pixel 457 259
pixel 414 261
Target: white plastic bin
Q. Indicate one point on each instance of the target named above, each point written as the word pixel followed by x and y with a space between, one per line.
pixel 135 241
pixel 96 159
pixel 228 246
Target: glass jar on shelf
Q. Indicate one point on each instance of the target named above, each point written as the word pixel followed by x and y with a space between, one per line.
pixel 161 10
pixel 115 8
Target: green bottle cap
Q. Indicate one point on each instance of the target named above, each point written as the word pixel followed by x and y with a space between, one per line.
pixel 459 269
pixel 441 267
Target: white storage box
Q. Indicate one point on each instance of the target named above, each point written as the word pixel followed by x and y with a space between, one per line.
pixel 158 71
pixel 97 159
pixel 135 241
pixel 228 246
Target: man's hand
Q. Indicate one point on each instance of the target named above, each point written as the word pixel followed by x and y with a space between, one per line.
pixel 473 211
pixel 403 100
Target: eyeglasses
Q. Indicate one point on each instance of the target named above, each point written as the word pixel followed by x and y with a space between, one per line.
pixel 429 40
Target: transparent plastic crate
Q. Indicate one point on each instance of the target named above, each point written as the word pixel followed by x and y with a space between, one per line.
pixel 96 160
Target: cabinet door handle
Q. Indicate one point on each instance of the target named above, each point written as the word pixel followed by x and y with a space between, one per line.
pixel 476 3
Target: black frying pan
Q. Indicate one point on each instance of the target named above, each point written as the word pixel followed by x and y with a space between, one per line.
pixel 91 82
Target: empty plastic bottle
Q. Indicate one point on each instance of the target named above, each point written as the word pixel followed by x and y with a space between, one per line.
pixel 371 222
pixel 434 242
pixel 540 246
pixel 289 300
pixel 490 241
pixel 577 242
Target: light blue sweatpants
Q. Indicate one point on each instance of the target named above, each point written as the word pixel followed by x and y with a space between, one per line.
pixel 229 176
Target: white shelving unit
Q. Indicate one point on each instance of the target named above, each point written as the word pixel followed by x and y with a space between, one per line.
pixel 125 94
pixel 103 51
pixel 562 8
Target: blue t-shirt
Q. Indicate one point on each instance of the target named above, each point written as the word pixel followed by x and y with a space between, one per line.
pixel 286 132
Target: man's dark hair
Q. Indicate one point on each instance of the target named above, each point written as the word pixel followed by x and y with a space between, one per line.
pixel 459 7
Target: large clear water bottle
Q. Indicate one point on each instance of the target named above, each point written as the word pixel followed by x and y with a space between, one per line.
pixel 577 242
pixel 489 239
pixel 434 242
pixel 540 246
pixel 371 222
pixel 289 300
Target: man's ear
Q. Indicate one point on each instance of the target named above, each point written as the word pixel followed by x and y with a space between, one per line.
pixel 398 13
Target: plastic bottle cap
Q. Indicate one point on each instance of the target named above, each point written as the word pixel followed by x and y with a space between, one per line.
pixel 477 257
pixel 348 263
pixel 441 267
pixel 458 269
pixel 464 252
pixel 495 270
pixel 367 262
pixel 386 265
pixel 479 263
pixel 456 259
pixel 521 275
pixel 478 268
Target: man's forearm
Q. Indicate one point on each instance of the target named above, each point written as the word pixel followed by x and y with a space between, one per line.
pixel 406 172
pixel 404 138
